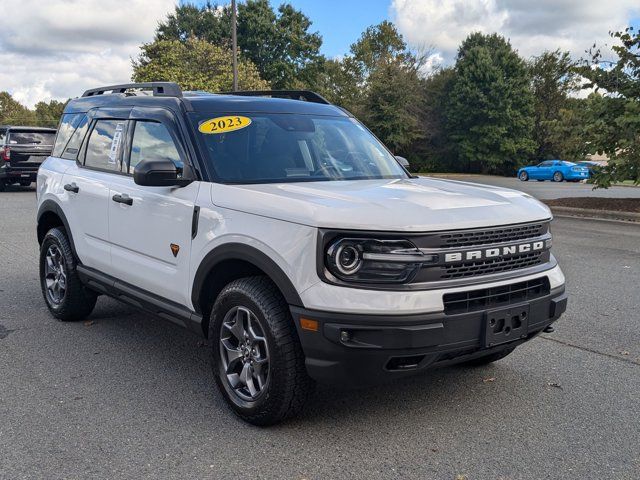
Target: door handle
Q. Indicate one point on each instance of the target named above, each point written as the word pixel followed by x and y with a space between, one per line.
pixel 124 198
pixel 71 187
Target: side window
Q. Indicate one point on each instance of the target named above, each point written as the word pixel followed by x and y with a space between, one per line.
pixel 65 130
pixel 152 141
pixel 545 164
pixel 103 147
pixel 73 145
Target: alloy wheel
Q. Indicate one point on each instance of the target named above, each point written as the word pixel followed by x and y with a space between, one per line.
pixel 244 353
pixel 55 275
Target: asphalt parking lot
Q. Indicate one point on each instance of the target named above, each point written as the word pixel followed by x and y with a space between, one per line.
pixel 548 190
pixel 125 395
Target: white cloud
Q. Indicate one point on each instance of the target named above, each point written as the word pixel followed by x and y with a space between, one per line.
pixel 59 48
pixel 531 26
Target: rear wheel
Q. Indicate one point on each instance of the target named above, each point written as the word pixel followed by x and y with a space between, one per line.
pixel 257 359
pixel 524 176
pixel 3 185
pixel 558 177
pixel 25 183
pixel 64 294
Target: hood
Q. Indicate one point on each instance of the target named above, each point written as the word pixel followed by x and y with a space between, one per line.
pixel 413 205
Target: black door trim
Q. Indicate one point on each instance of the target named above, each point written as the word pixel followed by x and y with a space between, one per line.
pixel 137 297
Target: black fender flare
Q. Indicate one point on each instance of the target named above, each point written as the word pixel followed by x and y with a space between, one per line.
pixel 240 251
pixel 53 207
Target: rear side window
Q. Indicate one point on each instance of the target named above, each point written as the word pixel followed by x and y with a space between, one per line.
pixel 3 134
pixel 73 145
pixel 104 145
pixel 68 124
pixel 31 138
pixel 152 141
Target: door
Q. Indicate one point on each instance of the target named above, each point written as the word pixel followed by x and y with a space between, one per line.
pixel 86 186
pixel 150 231
pixel 542 171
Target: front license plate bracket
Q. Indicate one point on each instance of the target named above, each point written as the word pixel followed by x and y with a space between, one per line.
pixel 503 325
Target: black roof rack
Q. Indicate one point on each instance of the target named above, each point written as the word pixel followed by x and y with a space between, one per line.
pixel 160 89
pixel 306 95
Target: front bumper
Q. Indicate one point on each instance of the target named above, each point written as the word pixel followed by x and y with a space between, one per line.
pixel 357 350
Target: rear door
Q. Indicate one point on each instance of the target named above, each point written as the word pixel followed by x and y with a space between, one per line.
pixel 151 234
pixel 28 148
pixel 87 185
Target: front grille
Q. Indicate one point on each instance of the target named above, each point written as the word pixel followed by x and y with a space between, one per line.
pixel 486 298
pixel 487 267
pixel 492 235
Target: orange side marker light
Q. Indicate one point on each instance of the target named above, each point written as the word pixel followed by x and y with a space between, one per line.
pixel 311 325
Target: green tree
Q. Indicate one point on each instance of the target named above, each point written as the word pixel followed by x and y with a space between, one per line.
pixel 380 82
pixel 48 114
pixel 13 112
pixel 279 43
pixel 490 109
pixel 614 127
pixel 194 65
pixel 436 152
pixel 554 79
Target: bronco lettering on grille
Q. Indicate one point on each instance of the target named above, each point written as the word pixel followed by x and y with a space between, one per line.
pixel 504 251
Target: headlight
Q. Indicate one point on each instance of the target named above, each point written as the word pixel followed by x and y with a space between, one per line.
pixel 369 260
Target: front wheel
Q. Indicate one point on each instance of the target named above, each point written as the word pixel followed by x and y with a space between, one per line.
pixel 558 177
pixel 524 176
pixel 64 294
pixel 257 359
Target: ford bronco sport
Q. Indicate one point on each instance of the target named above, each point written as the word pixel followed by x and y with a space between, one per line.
pixel 281 229
pixel 22 150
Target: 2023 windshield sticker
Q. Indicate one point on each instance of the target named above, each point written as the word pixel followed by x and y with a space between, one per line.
pixel 224 124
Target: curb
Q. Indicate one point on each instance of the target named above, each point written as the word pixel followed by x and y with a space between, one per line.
pixel 598 214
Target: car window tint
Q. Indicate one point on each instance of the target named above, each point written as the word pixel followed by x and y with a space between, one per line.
pixel 68 124
pixel 152 141
pixel 31 138
pixel 74 143
pixel 3 134
pixel 103 147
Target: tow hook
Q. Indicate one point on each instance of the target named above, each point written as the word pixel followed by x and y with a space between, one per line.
pixel 549 329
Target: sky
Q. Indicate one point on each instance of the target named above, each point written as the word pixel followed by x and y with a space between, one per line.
pixel 59 48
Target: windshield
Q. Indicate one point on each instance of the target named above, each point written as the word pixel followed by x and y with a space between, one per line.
pixel 31 138
pixel 266 148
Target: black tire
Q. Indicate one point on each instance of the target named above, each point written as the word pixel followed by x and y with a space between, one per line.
pixel 558 177
pixel 75 302
pixel 524 176
pixel 3 185
pixel 494 357
pixel 25 183
pixel 286 385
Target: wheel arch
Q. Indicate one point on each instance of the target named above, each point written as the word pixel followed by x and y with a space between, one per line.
pixel 50 215
pixel 229 262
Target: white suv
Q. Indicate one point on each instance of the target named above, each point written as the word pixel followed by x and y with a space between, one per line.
pixel 281 229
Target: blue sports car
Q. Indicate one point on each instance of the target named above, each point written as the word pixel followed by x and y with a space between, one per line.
pixel 556 170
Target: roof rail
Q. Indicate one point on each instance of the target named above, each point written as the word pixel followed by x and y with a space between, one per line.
pixel 160 89
pixel 306 95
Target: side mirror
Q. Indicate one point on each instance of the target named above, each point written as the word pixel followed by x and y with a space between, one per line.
pixel 403 161
pixel 158 173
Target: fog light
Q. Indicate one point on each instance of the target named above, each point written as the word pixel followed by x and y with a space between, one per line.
pixel 344 336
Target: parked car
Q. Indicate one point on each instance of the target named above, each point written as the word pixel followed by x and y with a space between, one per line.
pixel 278 227
pixel 592 166
pixel 22 150
pixel 555 170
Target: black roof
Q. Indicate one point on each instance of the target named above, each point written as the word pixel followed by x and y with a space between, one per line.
pixel 169 95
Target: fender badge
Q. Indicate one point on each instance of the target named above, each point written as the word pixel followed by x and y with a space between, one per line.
pixel 175 249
